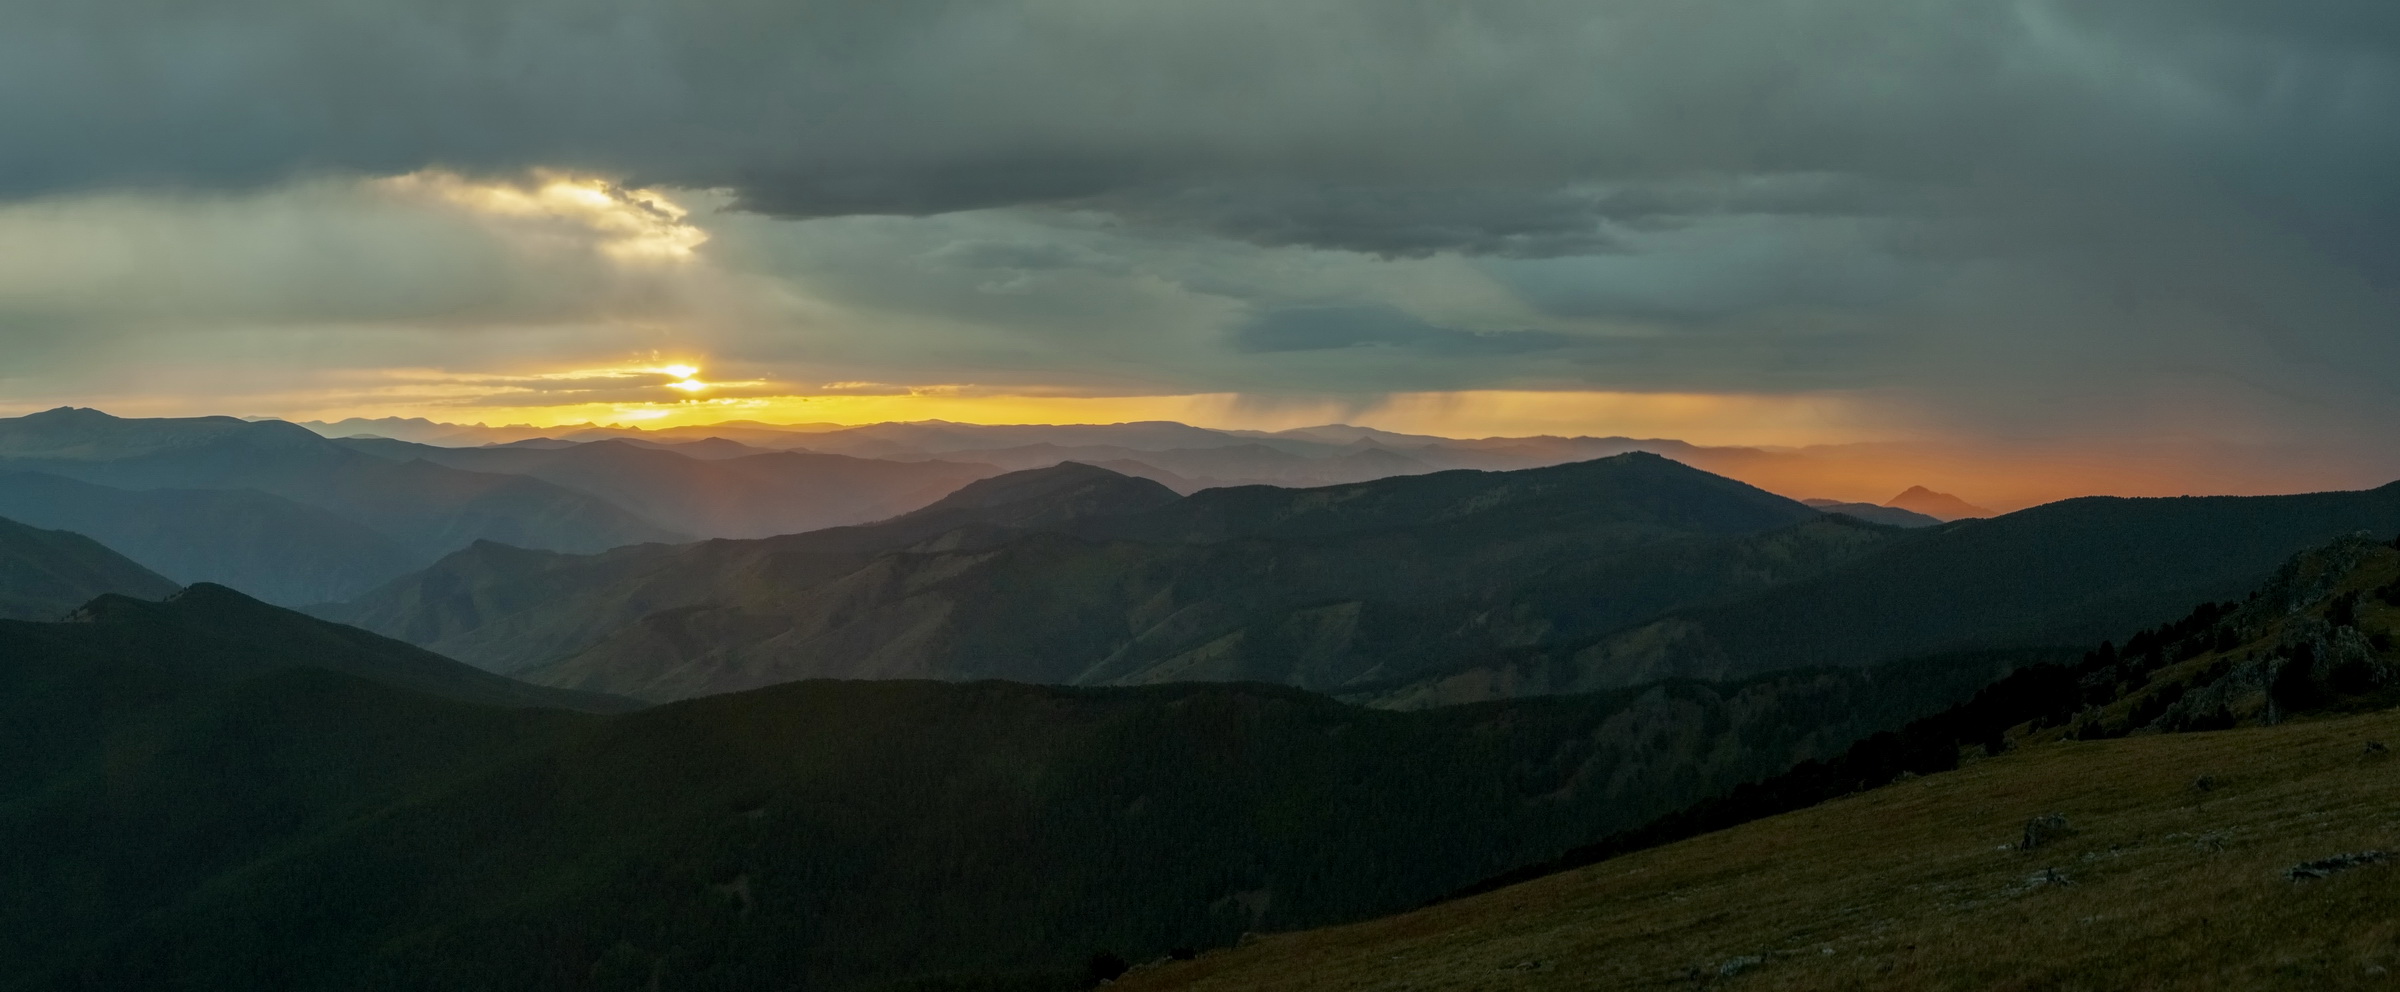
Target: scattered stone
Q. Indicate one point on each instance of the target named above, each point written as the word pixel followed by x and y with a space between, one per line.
pixel 2043 829
pixel 2340 862
pixel 2376 747
pixel 2047 876
pixel 2204 784
pixel 1532 964
pixel 1736 966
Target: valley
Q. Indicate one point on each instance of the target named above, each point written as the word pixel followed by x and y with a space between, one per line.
pixel 1046 722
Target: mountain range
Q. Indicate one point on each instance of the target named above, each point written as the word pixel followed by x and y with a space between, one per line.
pixel 1078 575
pixel 720 493
pixel 312 520
pixel 1052 720
pixel 1405 591
pixel 211 792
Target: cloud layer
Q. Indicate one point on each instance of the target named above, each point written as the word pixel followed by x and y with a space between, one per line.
pixel 2034 218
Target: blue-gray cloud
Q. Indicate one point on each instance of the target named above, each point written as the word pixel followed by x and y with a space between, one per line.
pixel 1337 327
pixel 2023 213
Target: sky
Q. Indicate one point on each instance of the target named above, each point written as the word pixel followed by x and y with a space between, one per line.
pixel 2076 231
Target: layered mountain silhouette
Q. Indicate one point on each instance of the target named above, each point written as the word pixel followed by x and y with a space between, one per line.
pixel 1406 591
pixel 706 490
pixel 1001 735
pixel 46 573
pixel 272 547
pixel 1873 513
pixel 1123 583
pixel 1183 457
pixel 223 794
pixel 1940 506
pixel 423 509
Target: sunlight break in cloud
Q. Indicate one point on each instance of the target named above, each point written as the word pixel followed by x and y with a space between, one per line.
pixel 634 224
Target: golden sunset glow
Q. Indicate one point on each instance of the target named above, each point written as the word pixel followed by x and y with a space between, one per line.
pixel 1699 418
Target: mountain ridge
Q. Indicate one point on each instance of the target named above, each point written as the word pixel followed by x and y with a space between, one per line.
pixel 44 573
pixel 1233 583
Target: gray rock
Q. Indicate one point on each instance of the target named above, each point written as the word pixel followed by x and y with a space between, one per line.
pixel 2043 829
pixel 2322 867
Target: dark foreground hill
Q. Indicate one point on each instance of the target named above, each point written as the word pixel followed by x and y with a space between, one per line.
pixel 2065 574
pixel 207 634
pixel 207 817
pixel 45 573
pixel 2154 883
pixel 1128 584
pixel 2097 835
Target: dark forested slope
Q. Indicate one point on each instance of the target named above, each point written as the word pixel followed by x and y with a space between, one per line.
pixel 2063 574
pixel 215 819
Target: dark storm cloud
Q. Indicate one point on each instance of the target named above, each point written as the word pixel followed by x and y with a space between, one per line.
pixel 2029 215
pixel 1330 328
pixel 1509 127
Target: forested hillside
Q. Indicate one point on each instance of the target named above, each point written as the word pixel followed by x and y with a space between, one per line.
pixel 2064 575
pixel 282 816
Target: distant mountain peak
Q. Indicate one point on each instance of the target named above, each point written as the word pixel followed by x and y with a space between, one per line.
pixel 83 433
pixel 1075 488
pixel 1941 506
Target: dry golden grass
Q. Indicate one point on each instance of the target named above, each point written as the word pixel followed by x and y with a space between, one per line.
pixel 1918 886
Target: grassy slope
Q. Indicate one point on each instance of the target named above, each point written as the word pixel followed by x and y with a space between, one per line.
pixel 1911 885
pixel 1915 886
